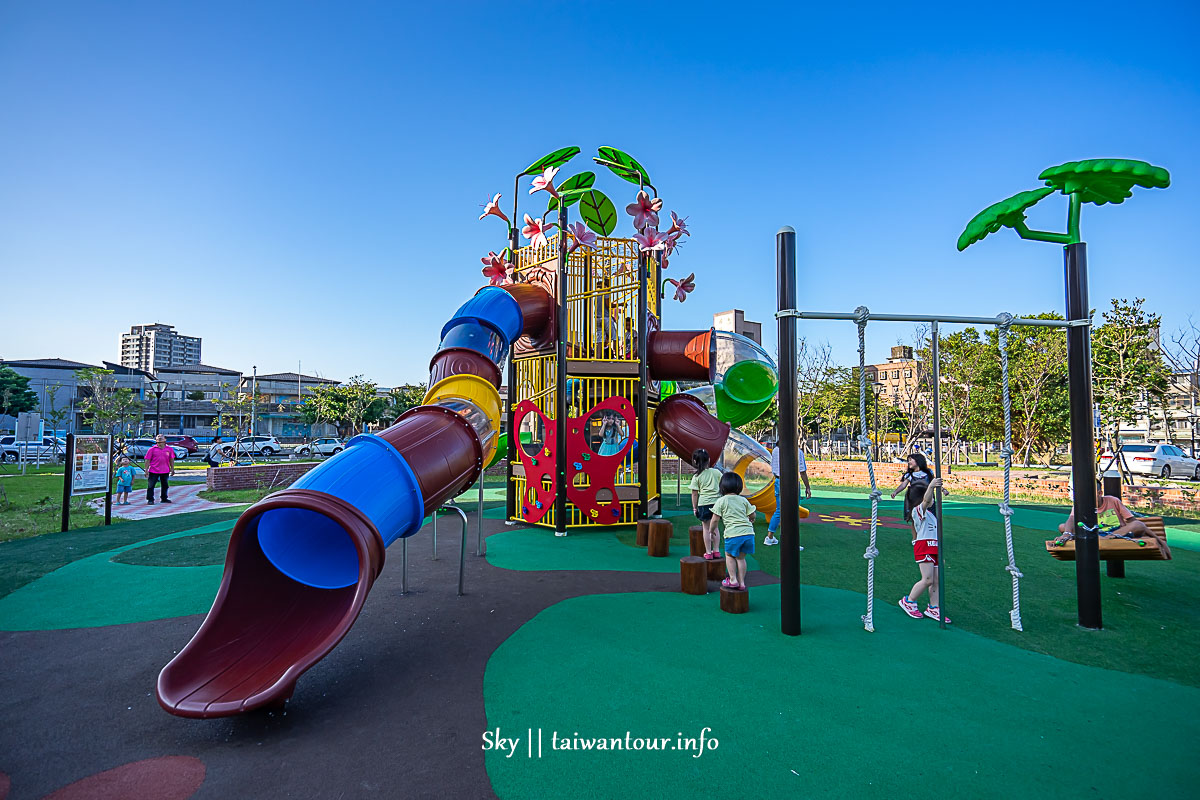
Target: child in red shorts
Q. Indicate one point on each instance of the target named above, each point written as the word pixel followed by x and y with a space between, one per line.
pixel 925 550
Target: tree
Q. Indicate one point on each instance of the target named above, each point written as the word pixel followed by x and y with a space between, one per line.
pixel 401 399
pixel 15 394
pixel 105 407
pixel 1038 390
pixel 350 406
pixel 1128 368
pixel 962 356
pixel 195 394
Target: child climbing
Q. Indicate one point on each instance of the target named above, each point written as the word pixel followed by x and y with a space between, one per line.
pixel 124 476
pixel 612 434
pixel 917 472
pixel 925 548
pixel 705 488
pixel 738 516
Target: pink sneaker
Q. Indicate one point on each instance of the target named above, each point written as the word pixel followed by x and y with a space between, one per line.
pixel 935 612
pixel 910 608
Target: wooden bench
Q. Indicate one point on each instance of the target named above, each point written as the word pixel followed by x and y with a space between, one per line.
pixel 1116 551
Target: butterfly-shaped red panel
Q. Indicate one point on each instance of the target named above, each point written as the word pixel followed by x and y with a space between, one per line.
pixel 536 500
pixel 601 470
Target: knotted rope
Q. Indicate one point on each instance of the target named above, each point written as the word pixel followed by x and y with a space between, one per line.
pixel 861 315
pixel 1003 325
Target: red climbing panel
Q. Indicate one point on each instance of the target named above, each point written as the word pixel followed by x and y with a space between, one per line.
pixel 600 470
pixel 540 489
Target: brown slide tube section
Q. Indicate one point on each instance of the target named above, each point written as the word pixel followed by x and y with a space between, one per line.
pixel 265 629
pixel 682 355
pixel 441 448
pixel 537 310
pixel 461 361
pixel 684 425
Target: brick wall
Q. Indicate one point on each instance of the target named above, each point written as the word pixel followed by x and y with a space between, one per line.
pixel 1023 484
pixel 261 475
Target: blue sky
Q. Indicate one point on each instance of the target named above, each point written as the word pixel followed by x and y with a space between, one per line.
pixel 301 181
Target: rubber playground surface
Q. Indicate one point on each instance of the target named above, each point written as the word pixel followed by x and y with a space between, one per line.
pixel 611 682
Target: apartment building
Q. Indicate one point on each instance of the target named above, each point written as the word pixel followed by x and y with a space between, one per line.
pixel 152 347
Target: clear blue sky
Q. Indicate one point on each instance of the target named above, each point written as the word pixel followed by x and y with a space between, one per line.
pixel 301 181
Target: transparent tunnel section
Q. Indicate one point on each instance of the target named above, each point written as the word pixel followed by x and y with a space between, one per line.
pixel 745 371
pixel 748 458
pixel 484 427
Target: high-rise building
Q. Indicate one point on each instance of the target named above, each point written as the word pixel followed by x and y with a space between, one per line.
pixel 735 321
pixel 152 347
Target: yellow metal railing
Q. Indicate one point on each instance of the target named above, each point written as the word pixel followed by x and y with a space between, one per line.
pixel 602 295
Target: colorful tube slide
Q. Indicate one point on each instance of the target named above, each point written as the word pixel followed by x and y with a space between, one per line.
pixel 741 383
pixel 301 562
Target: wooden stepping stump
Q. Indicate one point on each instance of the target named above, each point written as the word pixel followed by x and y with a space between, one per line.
pixel 735 601
pixel 658 538
pixel 696 540
pixel 693 575
pixel 716 569
pixel 643 531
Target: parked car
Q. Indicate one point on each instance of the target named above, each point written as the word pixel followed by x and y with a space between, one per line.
pixel 325 447
pixel 138 447
pixel 1160 460
pixel 50 448
pixel 255 446
pixel 186 442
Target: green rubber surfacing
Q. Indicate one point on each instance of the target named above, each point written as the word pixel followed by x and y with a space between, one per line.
pixel 835 713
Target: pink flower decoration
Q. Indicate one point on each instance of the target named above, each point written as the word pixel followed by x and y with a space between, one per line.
pixel 644 210
pixel 535 230
pixel 583 236
pixel 673 241
pixel 651 239
pixel 496 268
pixel 545 181
pixel 683 287
pixel 678 226
pixel 493 208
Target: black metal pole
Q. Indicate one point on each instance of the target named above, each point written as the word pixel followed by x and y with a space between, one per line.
pixel 643 418
pixel 108 487
pixel 514 437
pixel 876 395
pixel 1083 454
pixel 67 473
pixel 157 412
pixel 560 394
pixel 937 471
pixel 789 467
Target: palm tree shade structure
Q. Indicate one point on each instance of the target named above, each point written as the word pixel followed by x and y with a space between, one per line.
pixel 1098 181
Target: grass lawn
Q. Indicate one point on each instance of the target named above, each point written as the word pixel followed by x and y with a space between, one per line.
pixel 32 505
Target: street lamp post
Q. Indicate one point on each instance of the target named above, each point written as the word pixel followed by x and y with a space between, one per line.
pixel 158 387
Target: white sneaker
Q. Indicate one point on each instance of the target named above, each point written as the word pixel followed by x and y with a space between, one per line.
pixel 770 540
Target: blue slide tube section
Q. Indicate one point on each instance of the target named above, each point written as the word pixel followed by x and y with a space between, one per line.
pixel 493 307
pixel 313 549
pixel 372 475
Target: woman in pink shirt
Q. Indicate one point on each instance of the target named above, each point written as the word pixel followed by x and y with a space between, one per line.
pixel 160 465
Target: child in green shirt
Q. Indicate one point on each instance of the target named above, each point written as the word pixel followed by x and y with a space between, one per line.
pixel 705 488
pixel 738 515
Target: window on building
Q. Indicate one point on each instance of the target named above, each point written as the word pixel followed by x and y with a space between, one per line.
pixel 908 373
pixel 895 373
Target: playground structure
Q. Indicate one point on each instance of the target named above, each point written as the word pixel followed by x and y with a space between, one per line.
pixel 1096 181
pixel 578 323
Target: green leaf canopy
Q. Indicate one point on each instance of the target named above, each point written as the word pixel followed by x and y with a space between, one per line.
pixel 572 189
pixel 555 159
pixel 598 212
pixel 627 166
pixel 1005 214
pixel 1105 180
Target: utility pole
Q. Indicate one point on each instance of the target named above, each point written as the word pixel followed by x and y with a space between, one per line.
pixel 253 399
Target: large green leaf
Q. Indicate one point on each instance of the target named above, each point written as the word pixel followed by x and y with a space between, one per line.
pixel 1005 214
pixel 555 159
pixel 598 212
pixel 627 166
pixel 1105 180
pixel 572 189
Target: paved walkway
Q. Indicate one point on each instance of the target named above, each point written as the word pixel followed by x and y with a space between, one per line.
pixel 184 499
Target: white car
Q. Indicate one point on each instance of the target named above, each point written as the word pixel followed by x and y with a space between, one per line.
pixel 49 449
pixel 328 446
pixel 1159 460
pixel 254 446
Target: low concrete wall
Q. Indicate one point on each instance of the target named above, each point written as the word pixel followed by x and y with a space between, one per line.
pixel 260 476
pixel 1024 483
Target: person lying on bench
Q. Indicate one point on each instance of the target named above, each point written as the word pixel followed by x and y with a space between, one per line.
pixel 1127 523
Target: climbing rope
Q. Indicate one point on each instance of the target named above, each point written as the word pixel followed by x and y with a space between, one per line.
pixel 861 315
pixel 1003 324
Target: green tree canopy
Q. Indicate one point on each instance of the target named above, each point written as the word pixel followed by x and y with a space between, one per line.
pixel 1127 364
pixel 15 394
pixel 105 407
pixel 350 406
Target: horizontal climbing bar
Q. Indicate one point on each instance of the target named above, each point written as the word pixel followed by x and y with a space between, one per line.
pixel 950 320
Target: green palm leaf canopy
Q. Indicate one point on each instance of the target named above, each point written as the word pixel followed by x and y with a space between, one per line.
pixel 1005 214
pixel 555 159
pixel 1104 180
